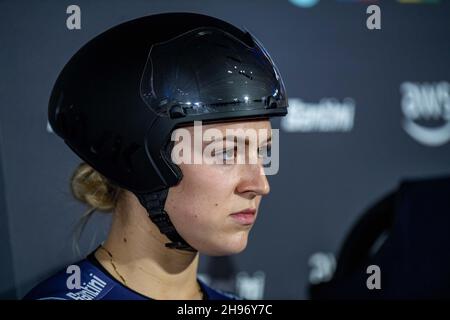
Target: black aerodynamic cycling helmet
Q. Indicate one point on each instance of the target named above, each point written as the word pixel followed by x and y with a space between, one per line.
pixel 118 99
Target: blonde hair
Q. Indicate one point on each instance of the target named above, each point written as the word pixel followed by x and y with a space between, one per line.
pixel 94 190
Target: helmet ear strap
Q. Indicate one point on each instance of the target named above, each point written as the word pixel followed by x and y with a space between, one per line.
pixel 154 202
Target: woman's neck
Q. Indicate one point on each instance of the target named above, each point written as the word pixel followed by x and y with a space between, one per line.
pixel 135 254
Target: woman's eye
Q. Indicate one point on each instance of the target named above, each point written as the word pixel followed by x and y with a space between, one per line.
pixel 228 154
pixel 225 156
pixel 265 151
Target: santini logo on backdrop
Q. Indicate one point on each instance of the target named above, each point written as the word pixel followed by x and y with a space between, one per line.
pixel 328 115
pixel 426 110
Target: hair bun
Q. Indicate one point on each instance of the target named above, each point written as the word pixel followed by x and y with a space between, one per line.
pixel 93 189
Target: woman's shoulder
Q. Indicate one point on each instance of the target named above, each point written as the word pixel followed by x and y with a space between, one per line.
pixel 88 280
pixel 79 281
pixel 216 294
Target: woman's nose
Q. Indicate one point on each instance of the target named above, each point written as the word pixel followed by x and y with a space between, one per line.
pixel 253 180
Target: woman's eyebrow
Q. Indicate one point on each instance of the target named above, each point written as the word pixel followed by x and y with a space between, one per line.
pixel 241 139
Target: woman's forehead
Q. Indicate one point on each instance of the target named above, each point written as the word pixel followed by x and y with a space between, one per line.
pixel 241 124
pixel 257 131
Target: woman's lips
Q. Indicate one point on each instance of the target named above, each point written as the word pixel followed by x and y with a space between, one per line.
pixel 245 217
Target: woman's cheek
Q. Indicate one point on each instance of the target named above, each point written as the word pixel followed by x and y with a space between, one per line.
pixel 202 201
pixel 194 209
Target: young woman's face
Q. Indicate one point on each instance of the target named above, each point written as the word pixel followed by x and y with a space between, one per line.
pixel 204 204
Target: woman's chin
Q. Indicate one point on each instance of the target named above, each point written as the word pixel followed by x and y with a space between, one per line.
pixel 234 245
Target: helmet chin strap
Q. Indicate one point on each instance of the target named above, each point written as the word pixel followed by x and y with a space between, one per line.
pixel 154 204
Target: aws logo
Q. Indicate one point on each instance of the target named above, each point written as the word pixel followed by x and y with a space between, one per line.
pixel 426 111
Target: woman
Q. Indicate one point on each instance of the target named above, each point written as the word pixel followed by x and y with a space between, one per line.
pixel 119 104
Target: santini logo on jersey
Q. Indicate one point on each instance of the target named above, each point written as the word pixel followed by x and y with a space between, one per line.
pixel 90 290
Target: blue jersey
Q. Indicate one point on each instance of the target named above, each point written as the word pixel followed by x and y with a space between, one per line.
pixel 98 284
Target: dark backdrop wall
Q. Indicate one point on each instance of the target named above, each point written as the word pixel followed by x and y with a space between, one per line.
pixel 368 109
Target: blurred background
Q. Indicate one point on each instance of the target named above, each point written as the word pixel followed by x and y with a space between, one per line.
pixel 365 147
